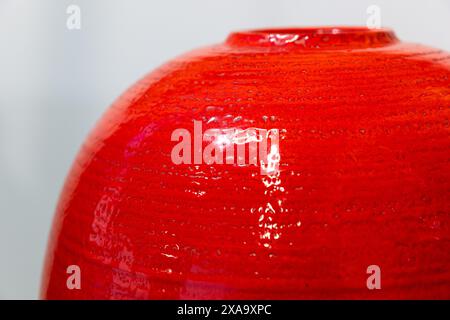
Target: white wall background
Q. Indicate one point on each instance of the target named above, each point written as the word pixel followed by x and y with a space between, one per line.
pixel 55 83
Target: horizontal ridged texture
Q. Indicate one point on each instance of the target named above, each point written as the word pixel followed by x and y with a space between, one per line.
pixel 364 177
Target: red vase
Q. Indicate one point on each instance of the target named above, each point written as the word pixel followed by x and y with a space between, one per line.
pixel 350 200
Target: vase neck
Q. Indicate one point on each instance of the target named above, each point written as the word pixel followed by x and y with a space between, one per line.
pixel 314 38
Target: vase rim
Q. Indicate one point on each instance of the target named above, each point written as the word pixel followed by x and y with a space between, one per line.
pixel 314 37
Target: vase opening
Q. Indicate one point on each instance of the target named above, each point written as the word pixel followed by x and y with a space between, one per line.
pixel 314 37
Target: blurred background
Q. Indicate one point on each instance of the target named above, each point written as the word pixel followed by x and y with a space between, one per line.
pixel 56 82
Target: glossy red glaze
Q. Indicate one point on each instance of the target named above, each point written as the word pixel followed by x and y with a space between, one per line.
pixel 364 176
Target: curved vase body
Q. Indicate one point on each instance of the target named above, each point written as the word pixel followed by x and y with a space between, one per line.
pixel 362 176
